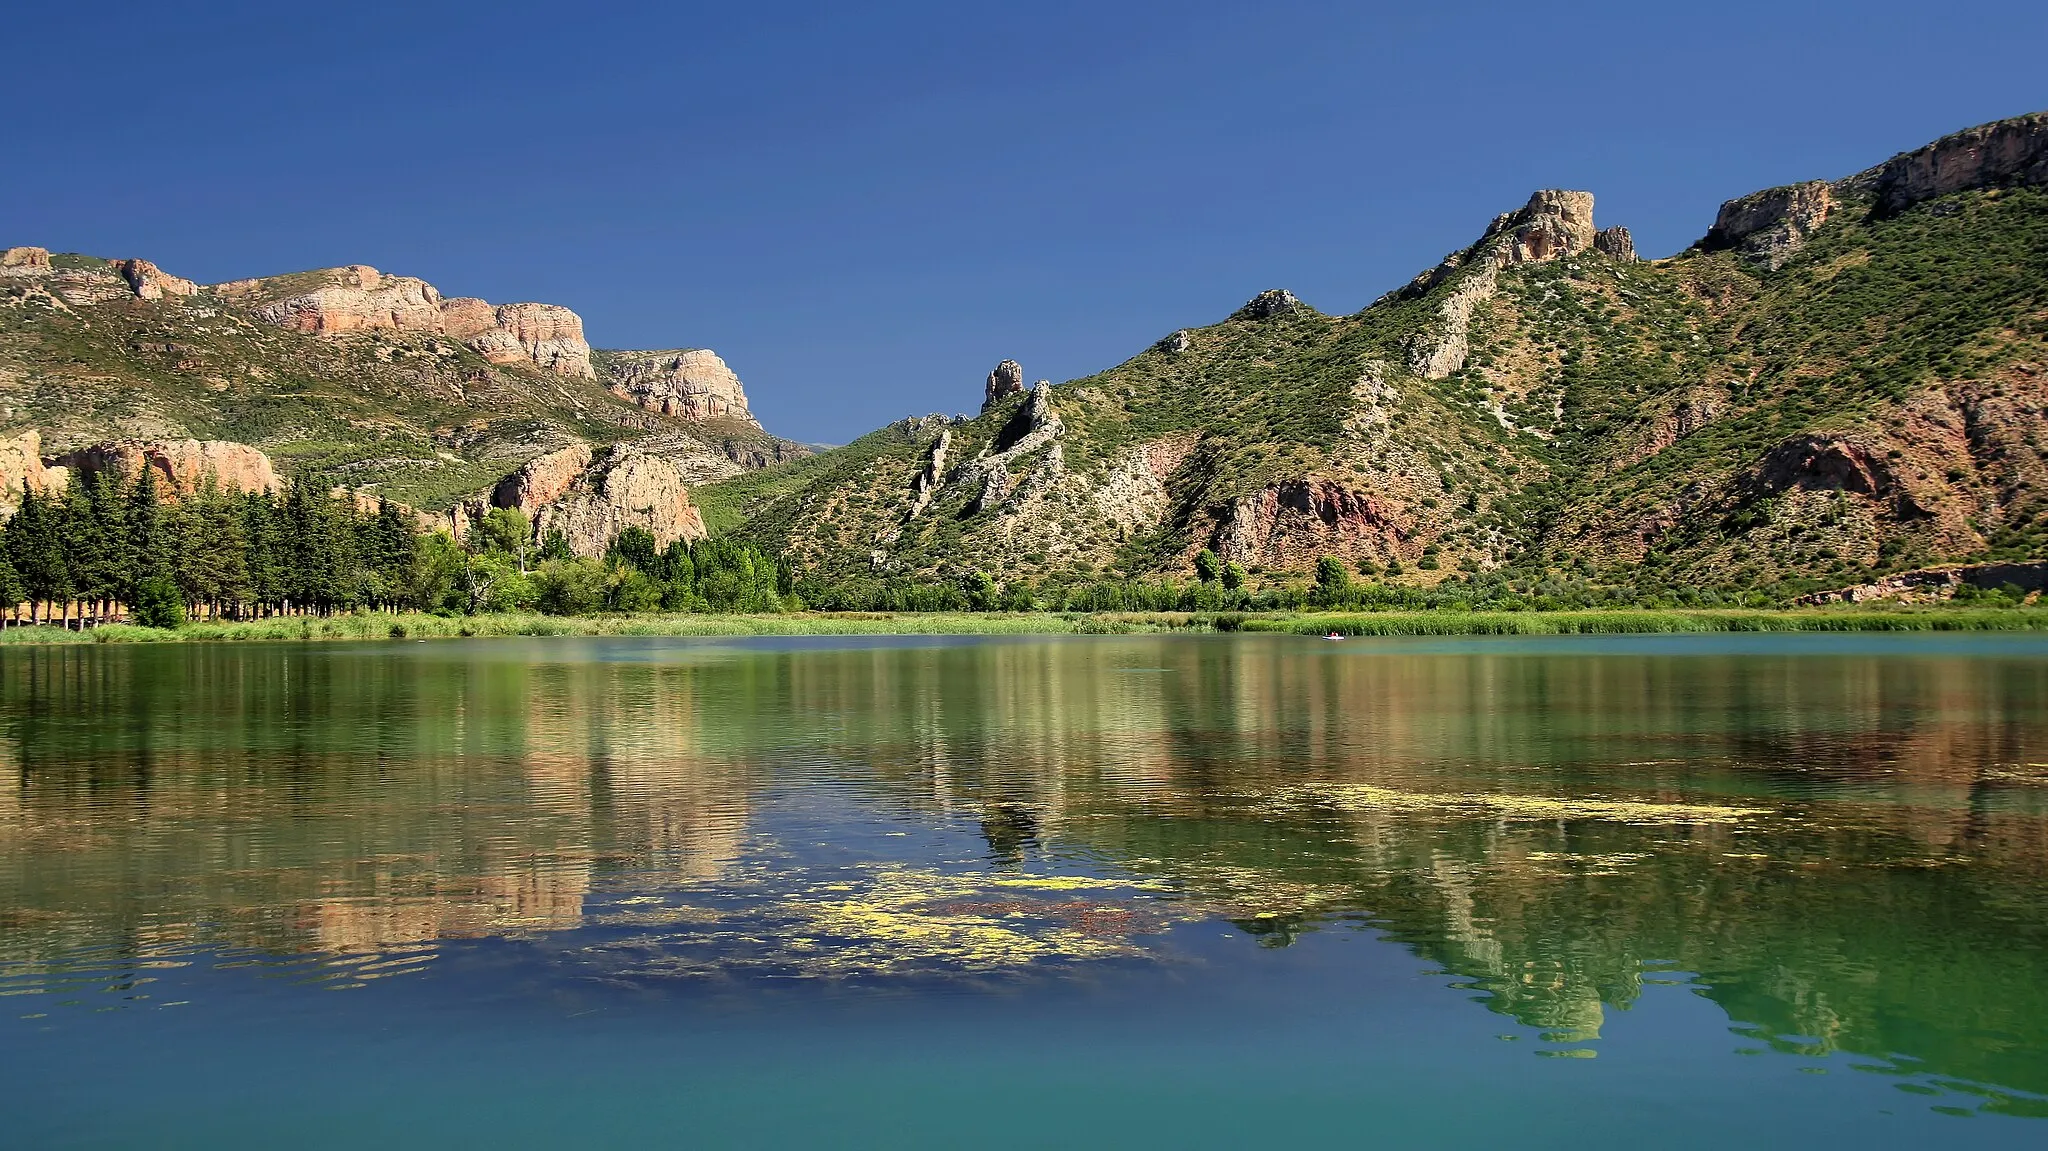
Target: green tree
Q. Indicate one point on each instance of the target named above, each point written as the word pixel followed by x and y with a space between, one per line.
pixel 1333 579
pixel 1207 567
pixel 35 547
pixel 506 530
pixel 635 546
pixel 982 592
pixel 572 586
pixel 158 604
pixel 11 591
pixel 1233 576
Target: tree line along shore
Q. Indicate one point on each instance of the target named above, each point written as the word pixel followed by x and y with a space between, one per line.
pixel 223 564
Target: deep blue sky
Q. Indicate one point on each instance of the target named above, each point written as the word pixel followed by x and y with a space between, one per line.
pixel 864 208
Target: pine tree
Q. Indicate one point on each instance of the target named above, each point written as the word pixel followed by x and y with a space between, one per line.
pixel 35 547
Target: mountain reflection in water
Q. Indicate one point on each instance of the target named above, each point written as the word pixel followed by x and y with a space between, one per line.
pixel 1842 843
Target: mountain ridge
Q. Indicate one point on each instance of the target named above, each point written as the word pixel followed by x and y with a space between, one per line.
pixel 1840 379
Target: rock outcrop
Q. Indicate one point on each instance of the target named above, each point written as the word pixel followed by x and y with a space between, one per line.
pixel 21 464
pixel 1615 242
pixel 1552 225
pixel 150 282
pixel 2001 153
pixel 1771 225
pixel 690 383
pixel 1033 427
pixel 1176 343
pixel 592 496
pixel 541 480
pixel 930 476
pixel 1267 304
pixel 24 261
pixel 1929 584
pixel 622 488
pixel 180 467
pixel 1006 380
pixel 1294 522
pixel 359 298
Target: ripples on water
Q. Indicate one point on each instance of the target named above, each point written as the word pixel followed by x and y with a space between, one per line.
pixel 1838 844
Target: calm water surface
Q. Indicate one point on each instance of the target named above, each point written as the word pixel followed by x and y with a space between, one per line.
pixel 1186 891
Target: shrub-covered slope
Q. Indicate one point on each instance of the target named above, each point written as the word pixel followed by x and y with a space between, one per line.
pixel 421 416
pixel 1841 379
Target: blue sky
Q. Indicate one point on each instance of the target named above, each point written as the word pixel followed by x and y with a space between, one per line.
pixel 863 208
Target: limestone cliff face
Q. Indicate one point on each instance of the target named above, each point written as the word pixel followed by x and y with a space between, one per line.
pixel 93 281
pixel 21 463
pixel 2001 153
pixel 690 383
pixel 622 488
pixel 592 496
pixel 359 298
pixel 541 480
pixel 181 467
pixel 1771 225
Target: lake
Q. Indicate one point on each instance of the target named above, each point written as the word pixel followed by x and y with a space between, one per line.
pixel 1121 891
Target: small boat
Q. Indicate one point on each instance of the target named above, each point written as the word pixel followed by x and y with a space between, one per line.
pixel 1333 636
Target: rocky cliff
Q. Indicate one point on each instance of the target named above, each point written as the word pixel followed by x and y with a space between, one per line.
pixel 690 383
pixel 621 488
pixel 348 377
pixel 1772 225
pixel 359 298
pixel 180 468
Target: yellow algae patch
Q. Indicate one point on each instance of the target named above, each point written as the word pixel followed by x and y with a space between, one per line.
pixel 1069 883
pixel 1365 797
pixel 911 917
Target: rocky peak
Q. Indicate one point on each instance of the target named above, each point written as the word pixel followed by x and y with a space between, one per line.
pixel 690 383
pixel 1267 304
pixel 1006 380
pixel 1555 223
pixel 25 261
pixel 1176 343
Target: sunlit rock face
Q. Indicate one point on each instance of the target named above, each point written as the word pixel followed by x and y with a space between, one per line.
pixel 359 298
pixel 690 383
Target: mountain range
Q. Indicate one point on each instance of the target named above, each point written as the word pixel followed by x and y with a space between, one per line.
pixel 1840 379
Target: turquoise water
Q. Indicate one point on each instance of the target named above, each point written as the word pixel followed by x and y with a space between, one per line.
pixel 1122 891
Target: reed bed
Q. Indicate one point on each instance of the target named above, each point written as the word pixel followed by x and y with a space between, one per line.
pixel 384 626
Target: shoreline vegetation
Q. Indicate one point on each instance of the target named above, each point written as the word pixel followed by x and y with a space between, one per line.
pixel 374 625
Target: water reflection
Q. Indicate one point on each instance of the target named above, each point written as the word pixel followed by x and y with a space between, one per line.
pixel 1840 844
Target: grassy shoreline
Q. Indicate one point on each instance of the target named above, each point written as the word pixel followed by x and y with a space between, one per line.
pixel 375 626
